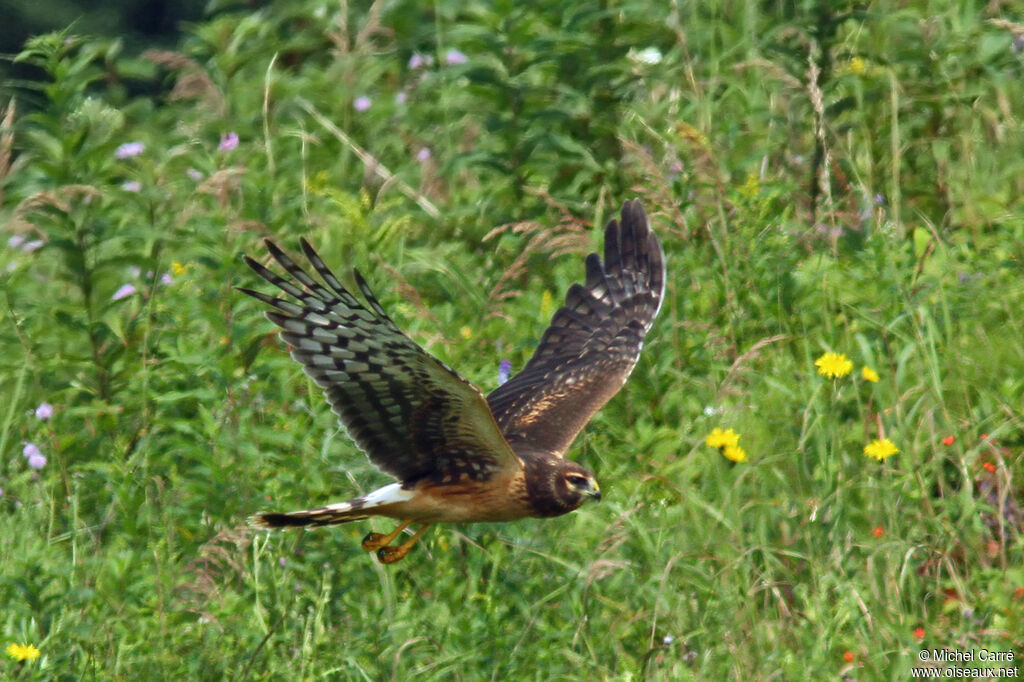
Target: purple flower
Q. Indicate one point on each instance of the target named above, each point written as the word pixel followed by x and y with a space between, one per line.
pixel 282 562
pixel 362 103
pixel 34 245
pixel 36 458
pixel 16 241
pixel 166 279
pixel 228 141
pixel 401 97
pixel 132 186
pixel 504 369
pixel 194 174
pixel 125 291
pixel 454 58
pixel 423 155
pixel 44 411
pixel 129 149
pixel 418 60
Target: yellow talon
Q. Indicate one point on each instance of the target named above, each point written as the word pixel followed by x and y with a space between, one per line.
pixel 372 541
pixel 375 541
pixel 389 555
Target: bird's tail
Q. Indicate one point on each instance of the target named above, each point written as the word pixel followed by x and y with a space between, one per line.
pixel 341 512
pixel 322 516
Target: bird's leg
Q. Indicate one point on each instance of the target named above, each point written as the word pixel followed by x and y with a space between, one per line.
pixel 374 541
pixel 389 555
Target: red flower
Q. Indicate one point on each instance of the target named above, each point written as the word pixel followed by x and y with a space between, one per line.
pixel 848 656
pixel 919 633
pixel 989 467
pixel 878 531
pixel 949 440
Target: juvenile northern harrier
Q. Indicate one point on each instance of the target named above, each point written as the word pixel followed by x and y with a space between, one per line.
pixel 459 457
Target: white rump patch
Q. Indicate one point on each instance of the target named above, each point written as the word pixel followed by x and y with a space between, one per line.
pixel 387 495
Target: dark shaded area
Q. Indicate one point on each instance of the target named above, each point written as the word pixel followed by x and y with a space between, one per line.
pixel 141 24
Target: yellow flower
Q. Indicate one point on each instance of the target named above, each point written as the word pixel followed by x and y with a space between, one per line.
pixel 735 453
pixel 318 183
pixel 22 652
pixel 833 365
pixel 177 268
pixel 869 374
pixel 466 333
pixel 545 304
pixel 857 66
pixel 723 438
pixel 880 449
pixel 752 187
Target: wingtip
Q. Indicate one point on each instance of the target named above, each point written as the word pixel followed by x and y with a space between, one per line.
pixel 275 250
pixel 634 215
pixel 308 250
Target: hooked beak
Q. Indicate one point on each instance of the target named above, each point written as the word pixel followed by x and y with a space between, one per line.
pixel 595 492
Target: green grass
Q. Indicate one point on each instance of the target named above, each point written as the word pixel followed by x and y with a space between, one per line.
pixel 874 210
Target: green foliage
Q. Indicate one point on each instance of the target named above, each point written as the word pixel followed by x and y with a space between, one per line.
pixel 825 177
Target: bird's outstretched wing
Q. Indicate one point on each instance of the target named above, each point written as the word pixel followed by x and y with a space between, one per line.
pixel 592 343
pixel 413 415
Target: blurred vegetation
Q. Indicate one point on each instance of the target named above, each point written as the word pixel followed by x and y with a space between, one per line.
pixel 838 177
pixel 136 23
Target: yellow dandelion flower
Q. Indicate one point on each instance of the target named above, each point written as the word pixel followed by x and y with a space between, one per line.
pixel 880 449
pixel 177 268
pixel 466 333
pixel 545 304
pixel 735 453
pixel 833 365
pixel 722 438
pixel 857 66
pixel 752 187
pixel 869 374
pixel 22 652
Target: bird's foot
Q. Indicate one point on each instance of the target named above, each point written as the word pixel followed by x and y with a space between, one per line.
pixel 374 541
pixel 389 555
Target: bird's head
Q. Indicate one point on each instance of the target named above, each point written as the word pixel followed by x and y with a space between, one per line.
pixel 558 486
pixel 578 485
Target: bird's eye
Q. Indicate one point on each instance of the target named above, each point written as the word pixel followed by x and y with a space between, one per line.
pixel 576 481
